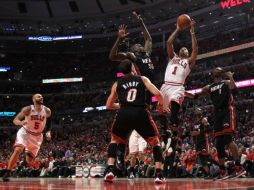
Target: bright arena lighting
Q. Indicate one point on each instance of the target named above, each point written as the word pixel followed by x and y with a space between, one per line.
pixel 7 114
pixel 54 38
pixel 62 80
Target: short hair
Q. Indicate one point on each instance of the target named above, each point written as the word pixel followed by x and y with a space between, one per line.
pixel 125 66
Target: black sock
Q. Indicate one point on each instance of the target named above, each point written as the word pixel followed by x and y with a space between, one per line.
pixel 222 167
pixel 237 163
pixel 158 172
pixel 131 169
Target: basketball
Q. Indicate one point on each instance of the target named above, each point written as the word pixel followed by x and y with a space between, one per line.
pixel 183 21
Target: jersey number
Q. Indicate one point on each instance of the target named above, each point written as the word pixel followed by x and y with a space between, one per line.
pixel 36 125
pixel 131 96
pixel 174 71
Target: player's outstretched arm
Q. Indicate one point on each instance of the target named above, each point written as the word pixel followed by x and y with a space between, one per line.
pixel 153 89
pixel 170 41
pixel 19 119
pixel 114 54
pixel 112 98
pixel 231 82
pixel 204 91
pixel 146 34
pixel 48 126
pixel 194 52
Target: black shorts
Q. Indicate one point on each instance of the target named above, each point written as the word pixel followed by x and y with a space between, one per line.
pixel 225 121
pixel 133 118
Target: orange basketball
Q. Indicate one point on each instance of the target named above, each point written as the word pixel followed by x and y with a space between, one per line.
pixel 184 21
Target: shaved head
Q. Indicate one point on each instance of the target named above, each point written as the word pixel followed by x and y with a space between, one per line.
pixel 37 99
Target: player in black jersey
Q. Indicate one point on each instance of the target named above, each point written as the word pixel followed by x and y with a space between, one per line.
pixel 200 136
pixel 140 56
pixel 133 115
pixel 221 93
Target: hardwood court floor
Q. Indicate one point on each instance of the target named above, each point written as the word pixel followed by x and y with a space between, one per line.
pixel 123 184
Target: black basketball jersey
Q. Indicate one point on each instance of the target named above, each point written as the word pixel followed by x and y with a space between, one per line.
pixel 220 95
pixel 145 66
pixel 131 91
pixel 200 140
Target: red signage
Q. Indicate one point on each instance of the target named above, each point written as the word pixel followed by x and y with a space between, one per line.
pixel 232 3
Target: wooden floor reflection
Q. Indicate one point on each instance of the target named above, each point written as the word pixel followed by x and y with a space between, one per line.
pixel 123 184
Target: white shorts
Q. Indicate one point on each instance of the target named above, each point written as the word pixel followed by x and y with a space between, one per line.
pixel 172 93
pixel 31 143
pixel 136 143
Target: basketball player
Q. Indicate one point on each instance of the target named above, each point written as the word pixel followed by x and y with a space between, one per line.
pixel 200 135
pixel 137 145
pixel 140 56
pixel 177 70
pixel 133 115
pixel 29 137
pixel 221 93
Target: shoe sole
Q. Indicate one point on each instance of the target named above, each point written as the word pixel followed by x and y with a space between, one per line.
pixel 160 182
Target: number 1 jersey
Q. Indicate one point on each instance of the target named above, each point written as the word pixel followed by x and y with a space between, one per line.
pixel 131 91
pixel 36 121
pixel 177 71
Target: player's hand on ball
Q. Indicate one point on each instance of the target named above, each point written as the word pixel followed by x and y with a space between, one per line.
pixel 48 135
pixel 178 28
pixel 122 31
pixel 192 24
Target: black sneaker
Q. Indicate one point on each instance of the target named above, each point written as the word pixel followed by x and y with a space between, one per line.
pixel 6 176
pixel 159 178
pixel 109 176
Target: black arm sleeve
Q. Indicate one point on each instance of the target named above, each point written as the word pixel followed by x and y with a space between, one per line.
pixel 48 126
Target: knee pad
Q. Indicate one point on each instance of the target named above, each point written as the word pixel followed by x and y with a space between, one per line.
pixel 157 154
pixel 175 107
pixel 112 149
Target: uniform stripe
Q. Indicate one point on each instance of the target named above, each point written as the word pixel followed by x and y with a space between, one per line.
pixel 232 113
pixel 153 140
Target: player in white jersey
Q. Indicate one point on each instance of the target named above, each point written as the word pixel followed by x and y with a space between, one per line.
pixel 137 145
pixel 178 68
pixel 29 137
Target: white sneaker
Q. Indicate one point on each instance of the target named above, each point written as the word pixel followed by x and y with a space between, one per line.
pixel 109 177
pixel 131 175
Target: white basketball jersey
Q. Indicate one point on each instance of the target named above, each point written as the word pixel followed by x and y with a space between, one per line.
pixel 177 71
pixel 36 121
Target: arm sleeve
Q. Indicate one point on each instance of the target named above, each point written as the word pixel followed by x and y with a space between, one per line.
pixel 48 125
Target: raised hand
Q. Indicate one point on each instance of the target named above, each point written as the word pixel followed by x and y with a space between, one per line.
pixel 192 28
pixel 122 31
pixel 229 74
pixel 138 17
pixel 48 135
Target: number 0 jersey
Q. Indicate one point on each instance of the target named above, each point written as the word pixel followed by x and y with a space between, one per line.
pixel 36 121
pixel 131 91
pixel 177 71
